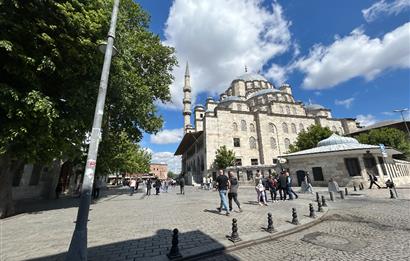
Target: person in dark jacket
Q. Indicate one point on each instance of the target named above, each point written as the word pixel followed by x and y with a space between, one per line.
pixel 149 186
pixel 372 179
pixel 233 191
pixel 182 184
pixel 283 186
pixel 290 191
pixel 157 186
pixel 272 182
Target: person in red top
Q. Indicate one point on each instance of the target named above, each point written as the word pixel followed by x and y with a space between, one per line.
pixel 273 185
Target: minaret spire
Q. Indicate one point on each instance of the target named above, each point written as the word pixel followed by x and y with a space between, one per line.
pixel 187 100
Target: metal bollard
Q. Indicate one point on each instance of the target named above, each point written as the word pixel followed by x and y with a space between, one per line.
pixel 311 211
pixel 361 184
pixel 174 252
pixel 324 201
pixel 391 194
pixel 270 228
pixel 317 197
pixel 234 237
pixel 331 196
pixel 342 196
pixel 319 207
pixel 346 192
pixel 295 220
pixel 354 188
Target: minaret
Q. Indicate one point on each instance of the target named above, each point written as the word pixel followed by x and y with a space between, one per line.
pixel 187 100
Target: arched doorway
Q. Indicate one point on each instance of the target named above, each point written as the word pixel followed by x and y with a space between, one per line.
pixel 300 174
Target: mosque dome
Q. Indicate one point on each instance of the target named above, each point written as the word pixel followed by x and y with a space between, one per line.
pixel 313 107
pixel 335 139
pixel 251 77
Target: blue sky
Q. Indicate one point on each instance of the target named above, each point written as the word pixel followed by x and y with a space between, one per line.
pixel 350 56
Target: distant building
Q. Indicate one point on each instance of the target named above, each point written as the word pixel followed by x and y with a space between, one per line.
pixel 255 119
pixel 159 170
pixel 395 124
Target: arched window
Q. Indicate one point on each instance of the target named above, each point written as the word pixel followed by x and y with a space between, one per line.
pixel 243 125
pixel 235 126
pixel 252 127
pixel 281 109
pixel 252 143
pixel 294 110
pixel 272 127
pixel 334 129
pixel 285 127
pixel 287 144
pixel 301 127
pixel 287 110
pixel 273 143
pixel 293 127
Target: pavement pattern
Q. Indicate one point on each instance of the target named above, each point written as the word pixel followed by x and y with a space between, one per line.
pixel 124 227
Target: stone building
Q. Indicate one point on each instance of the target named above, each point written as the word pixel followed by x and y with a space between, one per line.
pixel 252 117
pixel 348 162
pixel 159 170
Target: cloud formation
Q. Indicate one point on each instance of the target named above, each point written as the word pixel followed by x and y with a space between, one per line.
pixel 366 120
pixel 220 37
pixel 347 102
pixel 167 136
pixel 383 8
pixel 165 157
pixel 356 55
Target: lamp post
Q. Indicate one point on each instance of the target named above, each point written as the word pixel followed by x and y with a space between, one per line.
pixel 78 245
pixel 404 121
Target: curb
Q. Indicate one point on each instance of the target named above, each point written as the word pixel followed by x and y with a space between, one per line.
pixel 243 244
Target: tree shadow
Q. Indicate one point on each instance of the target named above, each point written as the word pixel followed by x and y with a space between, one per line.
pixel 193 244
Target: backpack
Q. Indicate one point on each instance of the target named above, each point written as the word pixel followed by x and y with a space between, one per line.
pixel 374 178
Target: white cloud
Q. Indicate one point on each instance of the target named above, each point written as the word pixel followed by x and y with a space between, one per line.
pixel 382 7
pixel 277 74
pixel 347 102
pixel 356 55
pixel 219 37
pixel 366 120
pixel 167 136
pixel 388 113
pixel 165 157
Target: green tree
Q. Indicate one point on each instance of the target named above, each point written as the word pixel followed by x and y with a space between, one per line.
pixel 309 139
pixel 50 69
pixel 224 158
pixel 172 175
pixel 389 137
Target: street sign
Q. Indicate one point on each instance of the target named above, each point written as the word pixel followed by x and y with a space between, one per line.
pixel 383 150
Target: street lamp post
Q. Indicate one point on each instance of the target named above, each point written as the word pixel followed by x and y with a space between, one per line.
pixel 78 245
pixel 404 121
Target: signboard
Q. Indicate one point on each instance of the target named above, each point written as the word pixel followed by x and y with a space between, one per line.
pixel 383 150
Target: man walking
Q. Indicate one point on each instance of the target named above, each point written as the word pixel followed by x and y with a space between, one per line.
pixel 182 184
pixel 372 179
pixel 290 191
pixel 149 186
pixel 222 184
pixel 133 184
pixel 233 191
pixel 283 186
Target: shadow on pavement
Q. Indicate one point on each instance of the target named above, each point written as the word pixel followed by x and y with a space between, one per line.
pixel 191 245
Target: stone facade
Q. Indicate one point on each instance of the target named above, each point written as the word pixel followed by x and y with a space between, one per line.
pixel 253 118
pixel 159 170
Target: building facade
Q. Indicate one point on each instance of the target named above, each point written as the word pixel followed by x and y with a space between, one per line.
pixel 255 119
pixel 159 170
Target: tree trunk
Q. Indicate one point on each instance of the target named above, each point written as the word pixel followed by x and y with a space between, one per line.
pixel 7 171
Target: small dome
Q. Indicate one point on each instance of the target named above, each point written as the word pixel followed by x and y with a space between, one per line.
pixel 313 107
pixel 335 139
pixel 251 77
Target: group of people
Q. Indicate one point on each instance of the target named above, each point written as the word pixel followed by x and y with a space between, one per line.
pixel 207 183
pixel 150 183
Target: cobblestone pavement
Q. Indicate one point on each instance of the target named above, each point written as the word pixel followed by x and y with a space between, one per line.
pixel 370 228
pixel 137 227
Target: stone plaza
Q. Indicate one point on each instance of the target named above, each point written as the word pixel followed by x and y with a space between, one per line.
pixel 124 227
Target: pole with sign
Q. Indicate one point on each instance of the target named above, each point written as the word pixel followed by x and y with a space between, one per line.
pixel 384 154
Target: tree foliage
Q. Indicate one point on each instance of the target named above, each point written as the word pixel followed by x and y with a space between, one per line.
pixel 224 158
pixel 309 139
pixel 389 137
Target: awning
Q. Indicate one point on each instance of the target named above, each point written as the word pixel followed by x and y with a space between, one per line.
pixel 186 142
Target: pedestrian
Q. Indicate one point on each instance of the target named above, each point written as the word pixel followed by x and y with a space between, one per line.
pixel 273 185
pixel 306 186
pixel 166 184
pixel 149 186
pixel 157 186
pixel 389 184
pixel 282 185
pixel 233 191
pixel 333 186
pixel 182 184
pixel 290 191
pixel 133 183
pixel 265 183
pixel 372 179
pixel 222 185
pixel 137 184
pixel 260 190
pixel 98 185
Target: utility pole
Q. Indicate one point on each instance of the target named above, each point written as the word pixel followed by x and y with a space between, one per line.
pixel 78 245
pixel 404 121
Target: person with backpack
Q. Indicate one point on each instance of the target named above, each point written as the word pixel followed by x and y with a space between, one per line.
pixel 372 179
pixel 233 191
